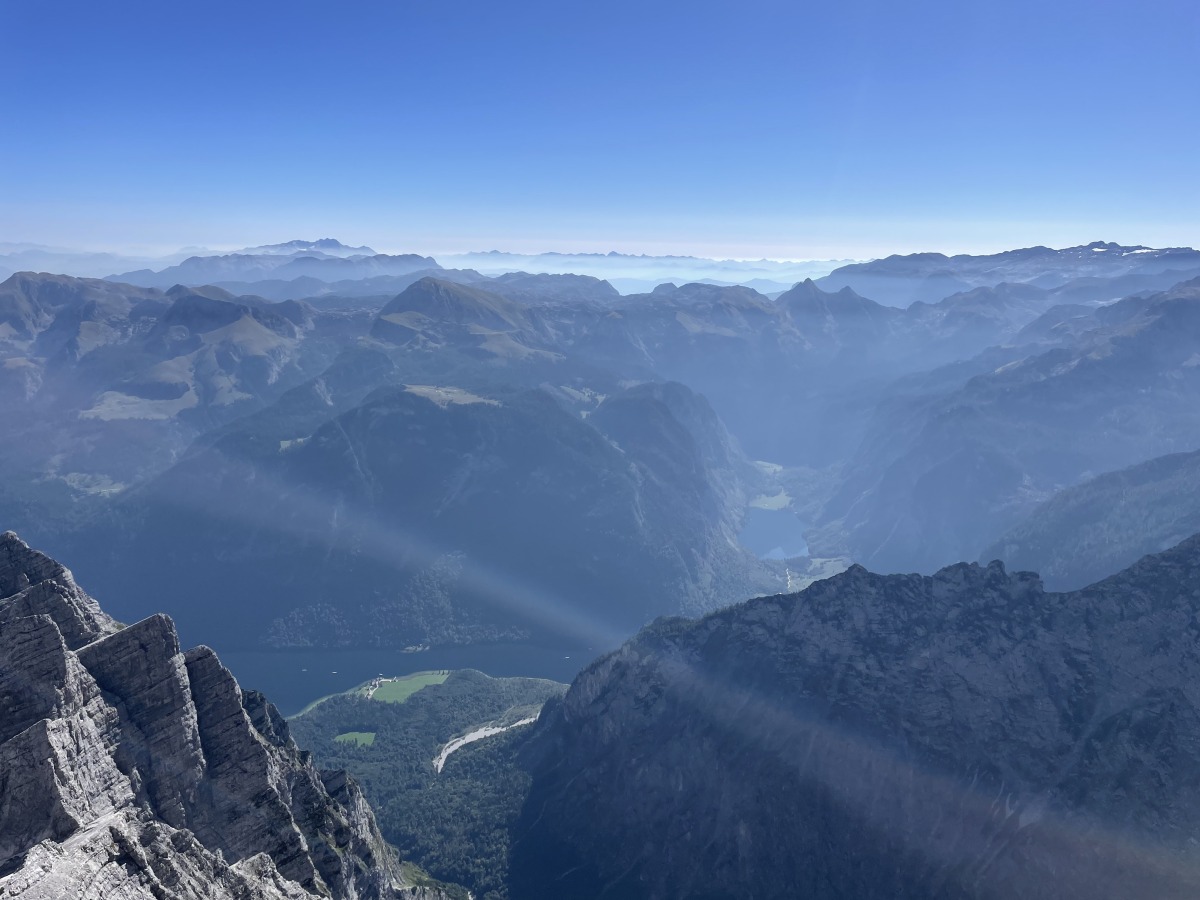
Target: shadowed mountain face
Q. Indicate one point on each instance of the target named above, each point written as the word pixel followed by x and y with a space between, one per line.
pixel 903 438
pixel 454 517
pixel 134 770
pixel 960 735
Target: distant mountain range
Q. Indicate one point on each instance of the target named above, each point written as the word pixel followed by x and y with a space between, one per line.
pixel 946 469
pixel 332 450
pixel 324 246
pixel 902 280
pixel 252 264
pixel 631 273
pixel 903 438
pixel 251 267
pixel 27 257
pixel 892 281
pixel 125 378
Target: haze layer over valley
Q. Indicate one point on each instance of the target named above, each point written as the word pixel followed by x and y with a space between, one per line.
pixel 373 484
pixel 465 458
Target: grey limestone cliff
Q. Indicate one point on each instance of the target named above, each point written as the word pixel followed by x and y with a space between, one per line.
pixel 961 735
pixel 130 769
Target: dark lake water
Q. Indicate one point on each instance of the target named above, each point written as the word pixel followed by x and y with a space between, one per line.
pixel 292 679
pixel 773 534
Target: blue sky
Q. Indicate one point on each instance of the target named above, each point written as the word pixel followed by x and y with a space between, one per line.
pixel 788 130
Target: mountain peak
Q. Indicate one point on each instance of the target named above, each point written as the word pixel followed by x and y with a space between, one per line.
pixel 117 746
pixel 918 734
pixel 807 298
pixel 450 301
pixel 22 567
pixel 33 584
pixel 330 246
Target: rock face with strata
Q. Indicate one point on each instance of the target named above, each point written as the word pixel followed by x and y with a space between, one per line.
pixel 130 769
pixel 963 735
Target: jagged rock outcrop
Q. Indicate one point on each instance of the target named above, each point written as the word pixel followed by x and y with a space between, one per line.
pixel 129 769
pixel 960 735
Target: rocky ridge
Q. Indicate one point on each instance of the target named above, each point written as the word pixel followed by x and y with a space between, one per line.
pixel 130 769
pixel 960 735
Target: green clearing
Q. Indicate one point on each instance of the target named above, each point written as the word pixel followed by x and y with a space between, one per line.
pixel 388 690
pixel 454 824
pixel 397 690
pixel 357 738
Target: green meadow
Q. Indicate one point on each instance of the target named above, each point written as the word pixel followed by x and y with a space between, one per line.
pixel 397 690
pixel 358 738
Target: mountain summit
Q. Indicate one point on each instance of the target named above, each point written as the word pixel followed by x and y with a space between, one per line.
pixel 964 734
pixel 130 769
pixel 326 246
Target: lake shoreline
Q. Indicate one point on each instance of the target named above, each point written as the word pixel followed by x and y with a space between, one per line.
pixel 294 678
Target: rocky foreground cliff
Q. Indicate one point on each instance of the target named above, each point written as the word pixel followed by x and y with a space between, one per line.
pixel 130 769
pixel 960 735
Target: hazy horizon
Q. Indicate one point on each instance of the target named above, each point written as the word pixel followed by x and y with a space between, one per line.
pixel 168 251
pixel 714 251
